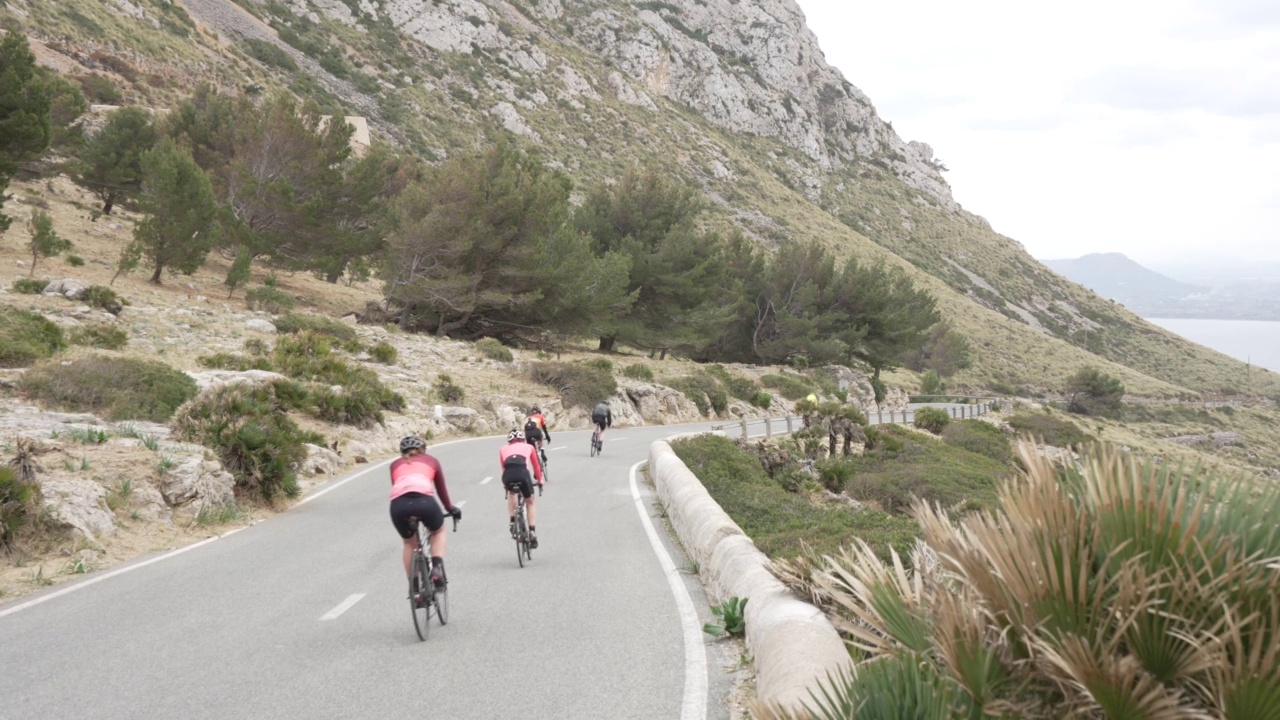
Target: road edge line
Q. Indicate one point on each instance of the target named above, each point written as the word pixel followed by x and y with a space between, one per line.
pixel 693 704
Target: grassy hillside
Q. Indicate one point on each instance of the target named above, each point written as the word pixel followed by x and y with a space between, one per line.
pixel 1031 328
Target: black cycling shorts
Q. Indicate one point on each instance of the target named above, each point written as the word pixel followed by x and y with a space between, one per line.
pixel 518 481
pixel 599 423
pixel 423 507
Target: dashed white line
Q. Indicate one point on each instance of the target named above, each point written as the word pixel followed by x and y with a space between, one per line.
pixel 693 705
pixel 343 606
pixel 460 503
pixel 486 480
pixel 558 448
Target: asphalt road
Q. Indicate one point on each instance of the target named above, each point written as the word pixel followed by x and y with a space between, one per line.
pixel 304 615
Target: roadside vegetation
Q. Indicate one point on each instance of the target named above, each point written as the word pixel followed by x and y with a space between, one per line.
pixel 115 387
pixel 1013 613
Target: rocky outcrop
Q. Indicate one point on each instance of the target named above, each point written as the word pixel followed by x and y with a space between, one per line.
pixel 320 461
pixel 69 288
pixel 78 505
pixel 216 378
pixel 201 482
pixel 1218 439
pixel 659 404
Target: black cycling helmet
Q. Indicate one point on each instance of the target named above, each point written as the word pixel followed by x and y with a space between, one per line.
pixel 535 409
pixel 411 443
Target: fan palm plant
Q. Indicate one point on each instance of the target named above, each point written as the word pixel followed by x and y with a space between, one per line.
pixel 1110 589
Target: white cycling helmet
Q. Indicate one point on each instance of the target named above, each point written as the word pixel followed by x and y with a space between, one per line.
pixel 515 435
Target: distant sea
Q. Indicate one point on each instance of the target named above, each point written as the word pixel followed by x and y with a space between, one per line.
pixel 1254 341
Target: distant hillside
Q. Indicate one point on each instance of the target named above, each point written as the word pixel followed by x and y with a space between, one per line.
pixel 1115 276
pixel 1151 294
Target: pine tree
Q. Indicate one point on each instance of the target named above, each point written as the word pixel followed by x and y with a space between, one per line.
pixel 180 230
pixel 111 161
pixel 24 111
pixel 44 241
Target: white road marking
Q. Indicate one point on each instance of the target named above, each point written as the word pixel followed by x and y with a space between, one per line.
pixel 558 448
pixel 693 705
pixel 340 483
pixel 343 606
pixel 460 503
pixel 486 480
pixel 111 574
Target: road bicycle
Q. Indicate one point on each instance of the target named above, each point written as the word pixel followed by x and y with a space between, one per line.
pixel 425 597
pixel 597 446
pixel 520 528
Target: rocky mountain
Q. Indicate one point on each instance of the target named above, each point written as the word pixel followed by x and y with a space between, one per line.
pixel 733 96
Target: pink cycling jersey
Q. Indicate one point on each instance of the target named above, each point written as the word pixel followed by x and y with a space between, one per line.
pixel 525 450
pixel 420 474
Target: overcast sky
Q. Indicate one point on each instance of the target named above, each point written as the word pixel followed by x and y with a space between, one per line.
pixel 1148 128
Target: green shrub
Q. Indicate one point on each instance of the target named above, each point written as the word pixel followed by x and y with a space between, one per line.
pixel 75 261
pixel 385 353
pixel 790 387
pixel 118 388
pixel 102 337
pixel 449 392
pixel 932 419
pixel 905 464
pixel 249 428
pixel 29 286
pixel 603 363
pixel 494 350
pixel 104 298
pixel 1093 392
pixel 637 371
pixel 578 385
pixel 268 53
pixel 762 400
pixel 269 299
pixel 310 357
pixel 835 473
pixel 979 437
pixel 232 361
pixel 257 347
pixel 26 337
pixel 295 323
pixel 19 503
pixel 704 390
pixel 931 384
pixel 741 388
pixel 358 404
pixel 1052 430
pixel 784 524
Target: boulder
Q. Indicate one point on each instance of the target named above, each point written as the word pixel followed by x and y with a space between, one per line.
pixel 896 399
pixel 79 505
pixel 857 385
pixel 69 288
pixel 149 504
pixel 196 480
pixel 260 325
pixel 659 404
pixel 320 461
pixel 214 378
pixel 460 417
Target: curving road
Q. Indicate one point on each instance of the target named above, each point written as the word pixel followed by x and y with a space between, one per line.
pixel 304 615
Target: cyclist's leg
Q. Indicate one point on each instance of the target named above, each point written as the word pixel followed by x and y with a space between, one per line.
pixel 401 511
pixel 530 503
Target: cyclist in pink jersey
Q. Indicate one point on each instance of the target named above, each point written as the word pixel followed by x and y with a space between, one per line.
pixel 520 470
pixel 416 482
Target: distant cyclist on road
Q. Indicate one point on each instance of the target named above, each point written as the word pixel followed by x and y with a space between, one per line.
pixel 536 432
pixel 602 416
pixel 416 477
pixel 520 469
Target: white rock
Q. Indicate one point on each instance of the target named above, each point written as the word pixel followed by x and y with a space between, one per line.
pixel 215 378
pixel 78 504
pixel 260 325
pixel 461 417
pixel 197 480
pixel 70 288
pixel 320 461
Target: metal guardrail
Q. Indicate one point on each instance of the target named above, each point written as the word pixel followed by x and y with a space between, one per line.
pixel 880 417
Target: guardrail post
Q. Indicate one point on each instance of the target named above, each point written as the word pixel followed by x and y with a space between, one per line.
pixel 768 427
pixel 789 428
pixel 879 416
pixel 744 428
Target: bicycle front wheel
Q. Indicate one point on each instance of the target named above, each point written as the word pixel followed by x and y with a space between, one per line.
pixel 420 596
pixel 594 438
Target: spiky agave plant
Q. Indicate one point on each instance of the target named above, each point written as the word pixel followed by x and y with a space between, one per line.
pixel 1107 590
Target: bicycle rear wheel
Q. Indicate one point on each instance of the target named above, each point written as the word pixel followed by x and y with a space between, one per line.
pixel 419 589
pixel 594 438
pixel 441 601
pixel 522 535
